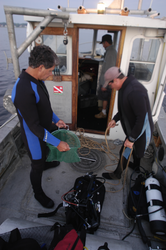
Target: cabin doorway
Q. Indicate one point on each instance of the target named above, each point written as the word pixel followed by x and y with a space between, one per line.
pixel 91 57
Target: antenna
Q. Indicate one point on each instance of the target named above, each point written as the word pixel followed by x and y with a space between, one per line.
pixel 151 4
pixel 68 3
pixel 139 4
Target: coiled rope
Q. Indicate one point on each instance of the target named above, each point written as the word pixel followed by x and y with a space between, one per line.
pixel 88 143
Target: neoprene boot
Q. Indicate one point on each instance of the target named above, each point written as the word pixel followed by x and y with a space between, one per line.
pixel 40 196
pixel 116 175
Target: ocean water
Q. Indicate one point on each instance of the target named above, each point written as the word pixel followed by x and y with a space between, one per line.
pixel 7 78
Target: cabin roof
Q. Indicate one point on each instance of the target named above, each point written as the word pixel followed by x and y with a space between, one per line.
pixel 109 19
pixel 118 20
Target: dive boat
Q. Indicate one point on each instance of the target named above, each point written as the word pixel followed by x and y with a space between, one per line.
pixel 139 37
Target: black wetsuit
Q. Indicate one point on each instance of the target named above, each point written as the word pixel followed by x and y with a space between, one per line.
pixel 32 103
pixel 134 112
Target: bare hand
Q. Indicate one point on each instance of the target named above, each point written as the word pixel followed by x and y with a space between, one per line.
pixel 128 144
pixel 103 89
pixel 63 146
pixel 112 124
pixel 61 124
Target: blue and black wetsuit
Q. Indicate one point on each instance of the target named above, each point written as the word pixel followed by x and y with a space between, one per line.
pixel 32 103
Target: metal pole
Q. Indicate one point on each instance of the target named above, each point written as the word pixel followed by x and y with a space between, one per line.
pixel 132 12
pixel 9 11
pixel 34 34
pixel 94 43
pixel 13 46
pixel 11 118
pixel 64 9
pixel 151 4
pixel 142 12
pixel 139 4
pixel 122 4
pixel 34 12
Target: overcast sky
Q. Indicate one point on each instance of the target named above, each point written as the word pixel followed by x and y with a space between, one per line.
pixel 157 5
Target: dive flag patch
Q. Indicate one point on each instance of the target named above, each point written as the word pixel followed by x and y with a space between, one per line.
pixel 58 89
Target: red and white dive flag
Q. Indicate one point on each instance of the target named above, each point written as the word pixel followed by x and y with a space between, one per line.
pixel 58 89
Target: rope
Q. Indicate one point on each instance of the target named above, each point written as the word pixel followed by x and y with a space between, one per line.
pixel 125 176
pixel 88 143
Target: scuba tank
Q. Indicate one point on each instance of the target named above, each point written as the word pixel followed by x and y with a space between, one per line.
pixel 158 167
pixel 159 172
pixel 157 215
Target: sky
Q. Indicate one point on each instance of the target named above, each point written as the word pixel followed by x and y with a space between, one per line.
pixel 157 5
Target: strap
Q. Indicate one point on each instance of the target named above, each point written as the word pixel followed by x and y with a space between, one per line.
pixel 83 235
pixel 142 232
pixel 86 223
pixel 90 186
pixel 153 186
pixel 75 243
pixel 51 213
pixel 155 203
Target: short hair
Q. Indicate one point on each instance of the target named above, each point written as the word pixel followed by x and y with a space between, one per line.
pixel 121 76
pixel 107 38
pixel 43 55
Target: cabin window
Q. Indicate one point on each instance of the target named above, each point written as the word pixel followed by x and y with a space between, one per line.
pixel 55 42
pixel 85 44
pixel 143 58
pixel 89 44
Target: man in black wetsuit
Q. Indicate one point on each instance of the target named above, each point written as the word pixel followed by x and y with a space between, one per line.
pixel 134 113
pixel 32 103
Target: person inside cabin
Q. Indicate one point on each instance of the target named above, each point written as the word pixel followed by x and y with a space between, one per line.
pixel 110 56
pixel 134 113
pixel 31 99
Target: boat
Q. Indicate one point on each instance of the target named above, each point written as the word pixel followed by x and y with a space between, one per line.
pixel 139 38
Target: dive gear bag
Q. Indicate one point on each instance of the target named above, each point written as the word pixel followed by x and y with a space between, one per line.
pixel 66 237
pixel 83 203
pixel 84 206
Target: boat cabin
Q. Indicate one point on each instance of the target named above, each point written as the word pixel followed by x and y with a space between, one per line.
pixel 75 36
pixel 139 37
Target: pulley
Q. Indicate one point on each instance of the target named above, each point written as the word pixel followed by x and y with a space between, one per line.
pixel 65 32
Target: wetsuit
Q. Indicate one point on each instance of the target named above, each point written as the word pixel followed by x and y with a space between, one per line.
pixel 32 103
pixel 134 113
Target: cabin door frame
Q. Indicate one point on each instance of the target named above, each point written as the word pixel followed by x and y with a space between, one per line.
pixel 76 28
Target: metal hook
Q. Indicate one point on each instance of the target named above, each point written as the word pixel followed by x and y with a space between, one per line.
pixel 65 32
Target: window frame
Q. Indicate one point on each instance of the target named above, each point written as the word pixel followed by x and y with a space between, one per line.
pixel 145 62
